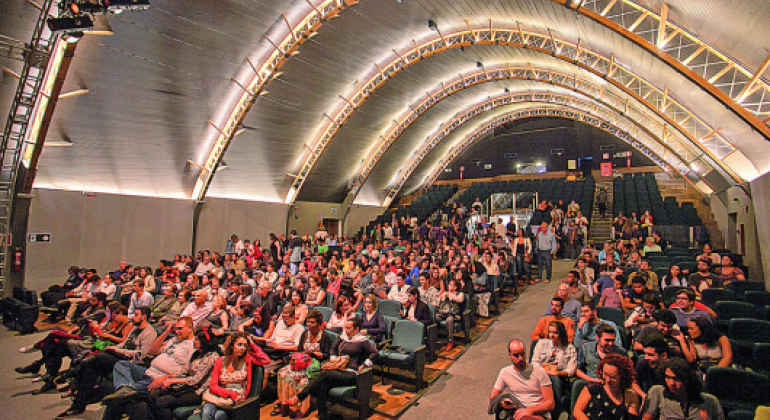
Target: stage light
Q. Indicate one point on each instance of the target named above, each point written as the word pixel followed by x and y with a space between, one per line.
pixel 86 6
pixel 117 6
pixel 432 25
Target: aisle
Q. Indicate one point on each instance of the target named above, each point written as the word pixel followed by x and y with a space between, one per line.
pixel 463 392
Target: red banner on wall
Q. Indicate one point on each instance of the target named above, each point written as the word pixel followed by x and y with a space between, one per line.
pixel 606 168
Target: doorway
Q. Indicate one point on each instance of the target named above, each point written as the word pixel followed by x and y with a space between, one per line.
pixel 332 226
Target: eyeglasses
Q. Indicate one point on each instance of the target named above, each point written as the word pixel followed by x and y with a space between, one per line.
pixel 610 377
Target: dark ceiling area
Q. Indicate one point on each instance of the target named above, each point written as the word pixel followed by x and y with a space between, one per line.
pixel 551 141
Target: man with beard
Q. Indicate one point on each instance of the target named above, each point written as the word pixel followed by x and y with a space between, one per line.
pixel 529 384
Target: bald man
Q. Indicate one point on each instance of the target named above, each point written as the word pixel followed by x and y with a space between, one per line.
pixel 528 383
pixel 571 307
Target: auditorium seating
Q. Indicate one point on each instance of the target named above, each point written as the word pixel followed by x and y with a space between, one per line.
pixel 421 208
pixel 640 192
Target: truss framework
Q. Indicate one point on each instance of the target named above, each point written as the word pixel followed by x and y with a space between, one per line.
pixel 645 141
pixel 652 96
pixel 742 88
pixel 263 74
pixel 648 118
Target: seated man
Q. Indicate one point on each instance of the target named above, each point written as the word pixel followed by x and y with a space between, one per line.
pixel 571 306
pixel 645 271
pixel 528 384
pixel 649 370
pixel 139 298
pixel 400 290
pixel 284 340
pixel 199 308
pixel 592 352
pixel 686 311
pixel 578 291
pixel 588 323
pixel 541 330
pixel 264 296
pixel 633 296
pixel 703 278
pixel 612 297
pixel 663 328
pixel 172 358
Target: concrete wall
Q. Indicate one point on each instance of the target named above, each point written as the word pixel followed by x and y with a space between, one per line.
pixel 251 220
pixel 101 230
pixel 760 191
pixel 360 216
pixel 304 216
pixel 735 204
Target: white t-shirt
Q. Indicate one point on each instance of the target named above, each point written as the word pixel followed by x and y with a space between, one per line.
pixel 524 385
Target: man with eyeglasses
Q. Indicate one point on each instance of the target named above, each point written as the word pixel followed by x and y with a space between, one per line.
pixel 199 308
pixel 685 309
pixel 529 387
pixel 172 358
pixel 664 328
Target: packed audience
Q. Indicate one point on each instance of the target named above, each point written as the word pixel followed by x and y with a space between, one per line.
pixel 146 342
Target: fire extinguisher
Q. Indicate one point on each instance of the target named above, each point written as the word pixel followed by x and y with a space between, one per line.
pixel 17 259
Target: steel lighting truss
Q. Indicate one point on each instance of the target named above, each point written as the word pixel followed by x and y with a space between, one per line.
pixel 743 91
pixel 648 143
pixel 263 73
pixel 651 119
pixel 608 68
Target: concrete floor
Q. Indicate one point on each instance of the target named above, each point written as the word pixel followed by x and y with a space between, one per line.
pixel 463 392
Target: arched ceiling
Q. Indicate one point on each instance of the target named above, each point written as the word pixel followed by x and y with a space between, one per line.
pixel 161 89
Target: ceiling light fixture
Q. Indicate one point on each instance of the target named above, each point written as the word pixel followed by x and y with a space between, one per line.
pixel 479 64
pixel 432 25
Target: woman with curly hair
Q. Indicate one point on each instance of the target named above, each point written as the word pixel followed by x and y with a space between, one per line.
pixel 231 378
pixel 613 399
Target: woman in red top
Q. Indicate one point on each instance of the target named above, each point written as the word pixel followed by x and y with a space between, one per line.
pixel 231 377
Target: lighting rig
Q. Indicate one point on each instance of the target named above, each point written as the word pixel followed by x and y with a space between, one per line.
pixel 78 15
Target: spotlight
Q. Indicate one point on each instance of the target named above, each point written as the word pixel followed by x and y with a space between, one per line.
pixel 118 6
pixel 506 90
pixel 72 38
pixel 479 64
pixel 432 25
pixel 461 49
pixel 75 23
pixel 86 6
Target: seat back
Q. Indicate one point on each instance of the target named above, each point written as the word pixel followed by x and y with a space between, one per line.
pixel 388 307
pixel 711 296
pixel 325 312
pixel 746 329
pixel 332 335
pixel 408 334
pixel 741 287
pixel 611 314
pixel 738 386
pixel 728 310
pixel 669 293
pixel 762 357
pixel 757 298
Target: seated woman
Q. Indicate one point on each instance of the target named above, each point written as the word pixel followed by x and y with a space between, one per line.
pixel 340 315
pixel 315 293
pixel 317 344
pixel 243 294
pixel 352 352
pixel 728 272
pixel 557 357
pixel 168 393
pixel 710 347
pixel 415 309
pixel 373 324
pixel 261 325
pixel 219 318
pixel 300 309
pixel 612 399
pixel 674 277
pixel 243 313
pixel 450 309
pixel 709 255
pixel 231 377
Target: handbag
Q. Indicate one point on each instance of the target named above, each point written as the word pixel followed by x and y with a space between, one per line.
pixel 480 280
pixel 338 364
pixel 300 361
pixel 101 344
pixel 217 400
pixel 448 308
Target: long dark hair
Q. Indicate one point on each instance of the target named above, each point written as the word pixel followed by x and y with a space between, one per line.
pixel 209 343
pixel 685 373
pixel 708 333
pixel 561 330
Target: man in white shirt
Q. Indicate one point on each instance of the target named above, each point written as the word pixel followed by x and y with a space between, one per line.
pixel 139 298
pixel 400 290
pixel 199 308
pixel 173 359
pixel 285 338
pixel 528 383
pixel 204 267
